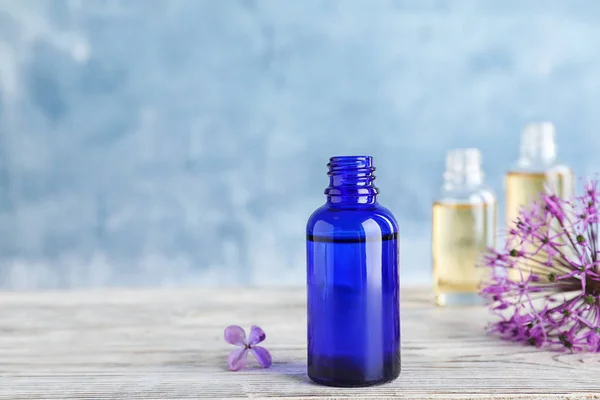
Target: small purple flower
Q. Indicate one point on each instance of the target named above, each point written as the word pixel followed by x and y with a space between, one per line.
pixel 239 358
pixel 553 300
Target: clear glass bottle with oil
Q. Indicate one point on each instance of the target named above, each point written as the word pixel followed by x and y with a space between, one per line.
pixel 536 170
pixel 464 225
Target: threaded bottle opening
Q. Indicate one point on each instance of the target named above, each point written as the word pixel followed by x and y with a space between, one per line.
pixel 341 165
pixel 351 177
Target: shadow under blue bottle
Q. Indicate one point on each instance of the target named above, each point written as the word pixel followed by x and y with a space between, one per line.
pixel 352 281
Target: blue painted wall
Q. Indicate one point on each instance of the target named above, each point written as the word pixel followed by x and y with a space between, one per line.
pixel 147 142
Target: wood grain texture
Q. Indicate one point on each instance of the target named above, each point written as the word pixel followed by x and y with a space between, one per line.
pixel 167 344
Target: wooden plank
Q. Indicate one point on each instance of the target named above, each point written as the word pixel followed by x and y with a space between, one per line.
pixel 167 344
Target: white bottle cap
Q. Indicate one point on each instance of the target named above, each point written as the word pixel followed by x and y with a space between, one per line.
pixel 463 166
pixel 538 145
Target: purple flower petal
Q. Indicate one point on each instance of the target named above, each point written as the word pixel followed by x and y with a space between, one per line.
pixel 257 335
pixel 238 359
pixel 235 335
pixel 262 356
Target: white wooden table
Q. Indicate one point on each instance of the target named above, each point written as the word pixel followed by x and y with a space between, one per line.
pixel 168 344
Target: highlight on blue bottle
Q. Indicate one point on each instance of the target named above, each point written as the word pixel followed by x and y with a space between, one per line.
pixel 352 281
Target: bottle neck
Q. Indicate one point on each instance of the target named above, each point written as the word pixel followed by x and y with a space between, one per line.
pixel 463 169
pixel 351 182
pixel 538 146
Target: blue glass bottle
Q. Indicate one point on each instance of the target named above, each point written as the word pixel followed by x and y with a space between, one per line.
pixel 352 280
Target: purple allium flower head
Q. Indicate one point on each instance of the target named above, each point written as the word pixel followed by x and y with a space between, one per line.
pixel 239 358
pixel 544 285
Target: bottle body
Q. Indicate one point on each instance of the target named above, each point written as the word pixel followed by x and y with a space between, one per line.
pixel 462 231
pixel 353 292
pixel 464 226
pixel 525 186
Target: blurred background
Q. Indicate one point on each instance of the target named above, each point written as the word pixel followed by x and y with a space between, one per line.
pixel 184 142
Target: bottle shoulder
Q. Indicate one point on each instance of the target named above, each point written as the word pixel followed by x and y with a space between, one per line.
pixel 482 194
pixel 327 221
pixel 519 168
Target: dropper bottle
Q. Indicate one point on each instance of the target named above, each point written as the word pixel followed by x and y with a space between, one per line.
pixel 464 224
pixel 535 171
